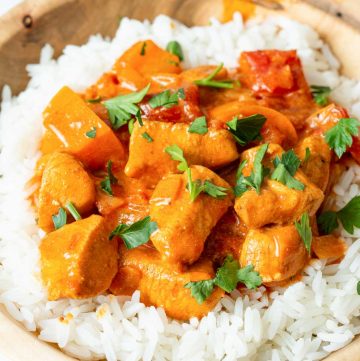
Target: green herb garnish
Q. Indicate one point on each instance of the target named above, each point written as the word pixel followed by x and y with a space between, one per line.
pixel 95 100
pixel 123 107
pixel 320 94
pixel 198 126
pixel 307 155
pixel 176 153
pixel 136 234
pixel 358 288
pixel 73 211
pixel 146 136
pixel 227 277
pixel 285 170
pixel 246 130
pixel 167 99
pixel 210 82
pixel 174 47
pixel 339 137
pixel 59 219
pixel 91 133
pixel 349 216
pixel 109 180
pixel 143 48
pixel 304 230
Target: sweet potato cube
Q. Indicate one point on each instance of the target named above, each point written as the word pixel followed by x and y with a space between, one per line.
pixel 67 119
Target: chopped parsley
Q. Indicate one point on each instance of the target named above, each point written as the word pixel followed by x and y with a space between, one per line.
pixel 167 99
pixel 73 211
pixel 198 126
pixel 307 155
pixel 136 234
pixel 109 180
pixel 146 136
pixel 95 100
pixel 91 133
pixel 174 47
pixel 358 288
pixel 123 107
pixel 304 230
pixel 349 216
pixel 320 94
pixel 195 187
pixel 143 48
pixel 339 137
pixel 227 277
pixel 246 130
pixel 285 170
pixel 210 82
pixel 59 219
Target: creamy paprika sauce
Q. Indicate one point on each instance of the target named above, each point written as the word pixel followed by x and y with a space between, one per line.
pixel 188 183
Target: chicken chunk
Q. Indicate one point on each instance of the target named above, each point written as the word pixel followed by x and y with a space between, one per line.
pixel 317 166
pixel 328 246
pixel 161 285
pixel 63 180
pixel 214 149
pixel 184 225
pixel 78 260
pixel 67 120
pixel 278 204
pixel 277 253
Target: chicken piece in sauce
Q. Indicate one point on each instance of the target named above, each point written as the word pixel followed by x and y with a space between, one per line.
pixel 161 284
pixel 78 260
pixel 185 224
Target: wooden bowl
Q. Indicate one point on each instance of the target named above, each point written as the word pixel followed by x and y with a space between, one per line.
pixel 29 26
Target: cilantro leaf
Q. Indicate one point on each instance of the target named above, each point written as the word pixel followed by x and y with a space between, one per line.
pixel 328 222
pixel 167 99
pixel 201 290
pixel 91 133
pixel 59 219
pixel 73 211
pixel 94 101
pixel 213 190
pixel 135 234
pixel 240 186
pixel 339 137
pixel 174 47
pixel 143 48
pixel 307 155
pixel 227 277
pixel 110 179
pixel 146 136
pixel 304 230
pixel 198 126
pixel 123 107
pixel 246 130
pixel 349 216
pixel 194 187
pixel 176 153
pixel 285 170
pixel 358 288
pixel 210 82
pixel 320 94
pixel 250 278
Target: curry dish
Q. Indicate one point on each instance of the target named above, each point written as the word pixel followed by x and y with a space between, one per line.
pixel 188 183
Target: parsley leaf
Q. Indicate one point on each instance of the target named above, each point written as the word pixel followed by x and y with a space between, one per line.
pixel 227 277
pixel 174 47
pixel 320 94
pixel 349 216
pixel 339 137
pixel 198 126
pixel 110 179
pixel 358 288
pixel 94 101
pixel 167 99
pixel 123 107
pixel 210 82
pixel 246 130
pixel 240 186
pixel 73 211
pixel 176 153
pixel 304 230
pixel 147 137
pixel 143 48
pixel 285 170
pixel 59 219
pixel 136 234
pixel 91 133
pixel 213 190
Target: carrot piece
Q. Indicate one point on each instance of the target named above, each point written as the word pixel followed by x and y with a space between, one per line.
pixel 147 58
pixel 67 119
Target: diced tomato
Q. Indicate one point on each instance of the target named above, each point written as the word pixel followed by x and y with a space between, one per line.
pixel 272 72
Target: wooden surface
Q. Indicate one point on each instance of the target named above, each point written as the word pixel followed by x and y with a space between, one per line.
pixel 25 29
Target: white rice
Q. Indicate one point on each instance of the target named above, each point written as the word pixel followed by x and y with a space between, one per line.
pixel 306 321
